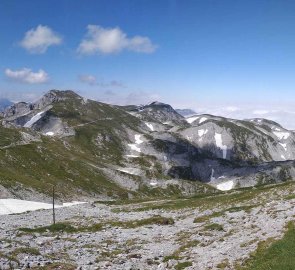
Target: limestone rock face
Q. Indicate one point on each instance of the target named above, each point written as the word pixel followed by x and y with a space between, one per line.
pixel 158 112
pixel 38 116
pixel 17 110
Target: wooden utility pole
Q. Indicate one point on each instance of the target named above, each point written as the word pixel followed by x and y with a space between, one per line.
pixel 53 209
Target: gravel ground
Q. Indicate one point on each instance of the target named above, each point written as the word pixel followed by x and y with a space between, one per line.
pixel 234 234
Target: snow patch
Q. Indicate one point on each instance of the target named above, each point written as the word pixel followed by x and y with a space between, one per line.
pixel 212 178
pixel 132 156
pixel 33 120
pixel 202 132
pixel 72 203
pixel 153 183
pixel 284 145
pixel 189 138
pixel 150 126
pixel 132 171
pixel 192 119
pixel 228 185
pixel 203 119
pixel 282 135
pixel 14 206
pixel 283 157
pixel 49 133
pixel 218 140
pixel 134 146
pixel 137 139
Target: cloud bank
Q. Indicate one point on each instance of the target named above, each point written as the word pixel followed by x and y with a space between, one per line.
pixel 284 115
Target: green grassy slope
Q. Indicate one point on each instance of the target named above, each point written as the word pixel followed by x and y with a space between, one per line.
pixel 280 255
pixel 39 164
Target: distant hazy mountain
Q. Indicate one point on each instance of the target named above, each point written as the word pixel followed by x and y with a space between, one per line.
pixel 185 112
pixel 4 103
pixel 285 116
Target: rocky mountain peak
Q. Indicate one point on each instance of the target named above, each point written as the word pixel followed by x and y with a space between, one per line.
pixel 160 112
pixel 158 105
pixel 55 96
pixel 52 96
pixel 63 93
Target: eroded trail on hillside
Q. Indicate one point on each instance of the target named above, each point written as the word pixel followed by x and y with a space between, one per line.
pixel 196 233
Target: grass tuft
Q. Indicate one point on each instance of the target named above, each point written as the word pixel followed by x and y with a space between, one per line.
pixel 214 227
pixel 183 265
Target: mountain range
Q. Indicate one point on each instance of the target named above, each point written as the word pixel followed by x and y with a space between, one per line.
pixel 91 149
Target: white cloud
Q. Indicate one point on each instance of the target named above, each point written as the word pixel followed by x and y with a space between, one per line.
pixel 92 80
pixel 39 39
pixel 26 75
pixel 89 79
pixel 112 40
pixel 115 83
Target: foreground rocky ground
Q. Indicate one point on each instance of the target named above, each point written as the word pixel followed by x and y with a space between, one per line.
pixel 213 232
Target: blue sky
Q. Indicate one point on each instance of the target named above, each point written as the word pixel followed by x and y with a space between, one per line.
pixel 207 55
